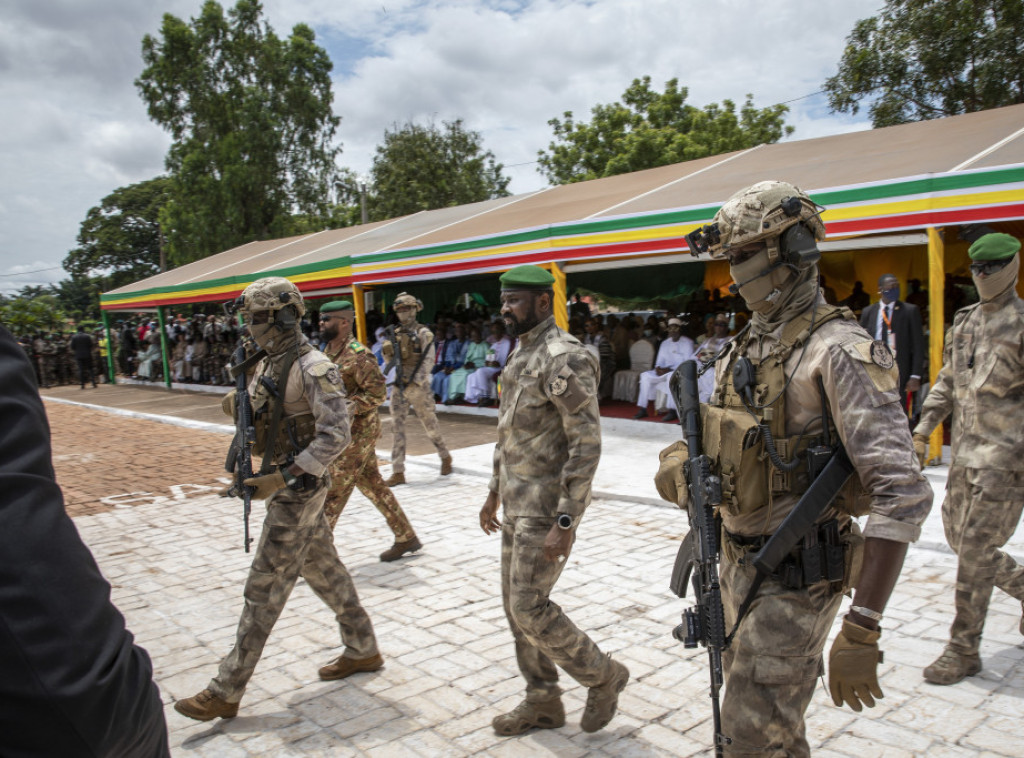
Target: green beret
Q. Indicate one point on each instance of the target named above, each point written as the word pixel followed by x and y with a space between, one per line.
pixel 994 247
pixel 527 278
pixel 336 305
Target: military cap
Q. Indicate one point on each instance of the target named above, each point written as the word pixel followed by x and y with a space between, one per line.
pixel 994 247
pixel 527 278
pixel 336 305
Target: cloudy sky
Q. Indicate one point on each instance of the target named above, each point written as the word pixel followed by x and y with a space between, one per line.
pixel 74 127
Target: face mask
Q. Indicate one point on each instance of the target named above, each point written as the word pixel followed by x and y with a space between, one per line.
pixel 993 285
pixel 892 294
pixel 760 291
pixel 407 317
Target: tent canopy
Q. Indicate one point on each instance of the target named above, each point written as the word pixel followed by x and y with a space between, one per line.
pixel 879 182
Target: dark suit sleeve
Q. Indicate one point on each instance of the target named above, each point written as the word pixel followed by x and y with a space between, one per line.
pixel 917 344
pixel 72 683
pixel 867 319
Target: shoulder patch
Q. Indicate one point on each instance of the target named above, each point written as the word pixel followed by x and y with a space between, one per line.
pixel 881 355
pixel 357 347
pixel 559 385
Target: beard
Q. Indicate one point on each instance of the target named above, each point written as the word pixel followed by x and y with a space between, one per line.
pixel 515 327
pixel 329 333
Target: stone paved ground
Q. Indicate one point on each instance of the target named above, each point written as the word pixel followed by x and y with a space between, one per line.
pixel 177 572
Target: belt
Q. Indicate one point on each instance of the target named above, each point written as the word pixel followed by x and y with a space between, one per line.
pixel 818 557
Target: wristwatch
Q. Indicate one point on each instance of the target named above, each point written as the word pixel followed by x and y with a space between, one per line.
pixel 565 521
pixel 290 479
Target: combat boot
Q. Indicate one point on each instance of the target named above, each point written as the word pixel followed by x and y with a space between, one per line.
pixel 395 479
pixel 952 667
pixel 546 714
pixel 399 549
pixel 446 466
pixel 206 706
pixel 342 667
pixel 602 701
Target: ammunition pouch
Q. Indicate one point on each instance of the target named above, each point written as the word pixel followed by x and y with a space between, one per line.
pixel 827 554
pixel 293 436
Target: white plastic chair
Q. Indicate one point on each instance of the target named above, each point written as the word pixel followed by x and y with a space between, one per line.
pixel 626 385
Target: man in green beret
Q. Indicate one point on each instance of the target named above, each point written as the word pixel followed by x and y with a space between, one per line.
pixel 982 385
pixel 357 466
pixel 549 444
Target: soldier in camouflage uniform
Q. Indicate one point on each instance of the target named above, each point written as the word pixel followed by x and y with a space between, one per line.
pixel 982 385
pixel 549 444
pixel 357 467
pixel 415 345
pixel 802 353
pixel 309 402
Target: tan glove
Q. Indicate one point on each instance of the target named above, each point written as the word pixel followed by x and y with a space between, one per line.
pixel 266 485
pixel 853 667
pixel 230 404
pixel 669 480
pixel 387 349
pixel 921 443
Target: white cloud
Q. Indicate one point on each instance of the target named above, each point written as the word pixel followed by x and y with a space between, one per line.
pixel 76 128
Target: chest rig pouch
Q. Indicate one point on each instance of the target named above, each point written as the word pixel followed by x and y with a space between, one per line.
pixel 742 439
pixel 279 439
pixel 412 353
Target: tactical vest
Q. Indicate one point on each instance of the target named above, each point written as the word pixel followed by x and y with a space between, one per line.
pixel 410 348
pixel 294 432
pixel 733 438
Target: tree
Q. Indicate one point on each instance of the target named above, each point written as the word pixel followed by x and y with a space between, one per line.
pixel 121 236
pixel 251 122
pixel 30 314
pixel 924 59
pixel 649 129
pixel 420 168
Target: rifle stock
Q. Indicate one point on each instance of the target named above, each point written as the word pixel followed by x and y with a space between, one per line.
pixel 698 555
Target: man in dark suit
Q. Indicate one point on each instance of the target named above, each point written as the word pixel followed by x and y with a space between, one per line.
pixel 898 324
pixel 72 682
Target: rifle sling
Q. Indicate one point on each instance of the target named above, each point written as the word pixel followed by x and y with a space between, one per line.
pixel 277 413
pixel 801 519
pixel 248 363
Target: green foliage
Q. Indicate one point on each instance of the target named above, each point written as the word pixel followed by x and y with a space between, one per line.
pixel 649 129
pixel 924 59
pixel 121 236
pixel 252 127
pixel 31 314
pixel 420 168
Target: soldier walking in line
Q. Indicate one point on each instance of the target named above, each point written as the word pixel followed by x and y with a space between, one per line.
pixel 982 385
pixel 802 374
pixel 357 466
pixel 301 427
pixel 413 357
pixel 549 444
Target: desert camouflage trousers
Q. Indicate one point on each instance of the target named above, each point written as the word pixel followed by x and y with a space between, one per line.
pixel 980 513
pixel 544 636
pixel 421 400
pixel 295 542
pixel 357 467
pixel 773 664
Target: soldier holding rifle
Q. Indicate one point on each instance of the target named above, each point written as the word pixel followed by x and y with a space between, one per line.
pixel 803 395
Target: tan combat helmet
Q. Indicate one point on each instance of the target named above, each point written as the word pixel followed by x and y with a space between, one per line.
pixel 404 298
pixel 271 293
pixel 779 213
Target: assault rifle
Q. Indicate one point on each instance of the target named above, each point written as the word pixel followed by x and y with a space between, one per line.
pixel 396 359
pixel 698 555
pixel 239 460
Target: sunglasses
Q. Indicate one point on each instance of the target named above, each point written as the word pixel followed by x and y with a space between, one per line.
pixel 989 267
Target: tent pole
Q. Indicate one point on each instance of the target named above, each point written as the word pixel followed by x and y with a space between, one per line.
pixel 561 307
pixel 110 348
pixel 160 315
pixel 936 320
pixel 360 307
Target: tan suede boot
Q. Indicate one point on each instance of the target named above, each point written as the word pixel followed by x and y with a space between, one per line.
pixel 952 667
pixel 548 714
pixel 602 701
pixel 395 479
pixel 205 707
pixel 341 667
pixel 446 466
pixel 399 549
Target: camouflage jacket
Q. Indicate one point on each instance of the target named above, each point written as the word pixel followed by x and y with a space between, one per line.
pixel 549 428
pixel 865 407
pixel 314 386
pixel 364 383
pixel 981 384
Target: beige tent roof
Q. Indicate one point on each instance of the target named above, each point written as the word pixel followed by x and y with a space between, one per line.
pixel 968 167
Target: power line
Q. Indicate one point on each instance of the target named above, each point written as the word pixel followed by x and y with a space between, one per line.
pixel 37 271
